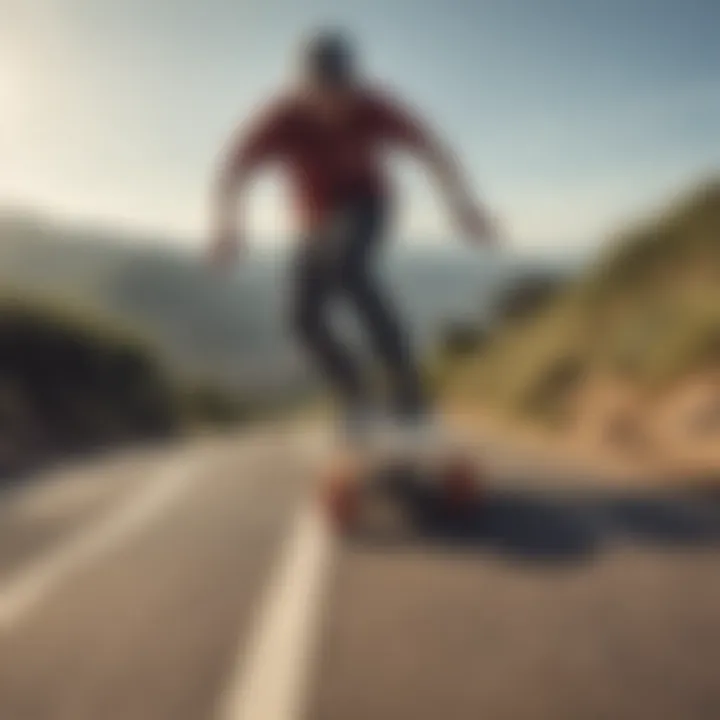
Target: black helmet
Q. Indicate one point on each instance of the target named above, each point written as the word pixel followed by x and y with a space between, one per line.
pixel 329 58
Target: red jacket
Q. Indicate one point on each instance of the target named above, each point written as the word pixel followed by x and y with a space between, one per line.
pixel 328 161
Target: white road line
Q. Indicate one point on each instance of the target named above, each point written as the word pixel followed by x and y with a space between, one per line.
pixel 271 675
pixel 30 586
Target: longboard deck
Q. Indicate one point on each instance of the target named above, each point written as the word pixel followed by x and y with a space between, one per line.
pixel 364 481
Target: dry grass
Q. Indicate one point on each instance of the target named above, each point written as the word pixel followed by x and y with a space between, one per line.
pixel 637 330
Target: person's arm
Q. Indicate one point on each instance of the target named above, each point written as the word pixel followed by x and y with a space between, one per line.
pixel 227 239
pixel 472 217
pixel 403 128
pixel 247 150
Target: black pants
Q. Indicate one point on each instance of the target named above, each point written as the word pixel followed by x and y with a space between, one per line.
pixel 337 264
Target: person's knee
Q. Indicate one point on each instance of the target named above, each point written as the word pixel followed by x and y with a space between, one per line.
pixel 362 290
pixel 307 322
pixel 376 312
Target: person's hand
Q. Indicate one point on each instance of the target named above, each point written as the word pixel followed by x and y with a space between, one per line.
pixel 477 225
pixel 226 249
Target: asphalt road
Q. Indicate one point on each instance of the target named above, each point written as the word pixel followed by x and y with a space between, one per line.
pixel 198 582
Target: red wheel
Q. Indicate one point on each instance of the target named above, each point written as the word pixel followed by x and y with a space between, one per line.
pixel 341 500
pixel 461 483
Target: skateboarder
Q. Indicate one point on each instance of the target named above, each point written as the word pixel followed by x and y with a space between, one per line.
pixel 330 131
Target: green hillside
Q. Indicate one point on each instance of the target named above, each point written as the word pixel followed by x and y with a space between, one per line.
pixel 647 311
pixel 72 381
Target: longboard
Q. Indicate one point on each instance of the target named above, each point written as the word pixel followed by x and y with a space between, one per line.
pixel 432 469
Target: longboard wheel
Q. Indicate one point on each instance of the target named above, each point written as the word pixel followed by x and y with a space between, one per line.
pixel 341 499
pixel 461 484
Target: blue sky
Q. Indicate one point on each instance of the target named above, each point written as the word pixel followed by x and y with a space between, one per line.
pixel 571 115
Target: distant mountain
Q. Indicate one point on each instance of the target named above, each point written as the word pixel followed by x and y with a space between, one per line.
pixel 232 330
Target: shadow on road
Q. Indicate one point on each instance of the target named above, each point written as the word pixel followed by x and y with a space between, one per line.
pixel 550 526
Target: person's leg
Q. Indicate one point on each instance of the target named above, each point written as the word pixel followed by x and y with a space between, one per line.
pixel 314 284
pixel 390 341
